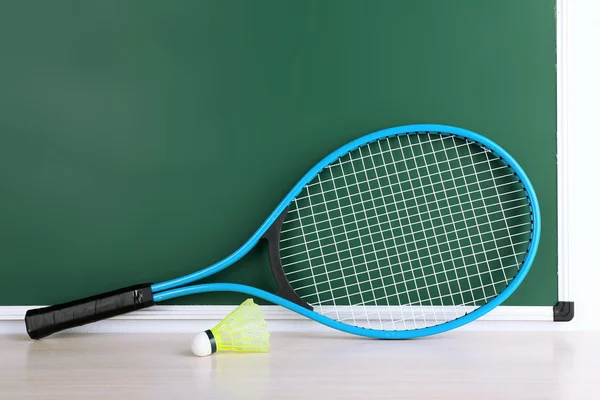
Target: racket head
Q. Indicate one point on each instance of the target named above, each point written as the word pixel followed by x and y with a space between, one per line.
pixel 410 231
pixel 350 321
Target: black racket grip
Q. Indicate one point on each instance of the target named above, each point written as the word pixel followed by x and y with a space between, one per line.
pixel 42 322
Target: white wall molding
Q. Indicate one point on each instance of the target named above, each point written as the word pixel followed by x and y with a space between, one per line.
pixel 505 313
pixel 579 21
pixel 197 318
pixel 562 114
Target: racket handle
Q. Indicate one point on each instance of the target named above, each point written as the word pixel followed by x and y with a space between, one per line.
pixel 45 321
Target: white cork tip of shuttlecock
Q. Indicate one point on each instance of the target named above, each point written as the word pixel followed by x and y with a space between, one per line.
pixel 201 345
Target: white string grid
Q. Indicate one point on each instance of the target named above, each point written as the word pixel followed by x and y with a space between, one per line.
pixel 407 232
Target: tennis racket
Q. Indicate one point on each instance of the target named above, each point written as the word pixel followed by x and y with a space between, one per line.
pixel 405 232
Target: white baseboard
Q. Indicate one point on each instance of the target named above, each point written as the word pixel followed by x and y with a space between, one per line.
pixel 198 318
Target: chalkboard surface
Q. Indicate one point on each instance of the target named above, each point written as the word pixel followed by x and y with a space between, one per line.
pixel 144 140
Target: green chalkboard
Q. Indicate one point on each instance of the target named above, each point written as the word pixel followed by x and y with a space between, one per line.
pixel 142 140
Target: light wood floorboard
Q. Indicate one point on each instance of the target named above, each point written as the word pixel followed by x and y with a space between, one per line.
pixel 458 365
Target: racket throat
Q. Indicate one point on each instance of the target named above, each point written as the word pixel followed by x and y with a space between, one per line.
pixel 285 290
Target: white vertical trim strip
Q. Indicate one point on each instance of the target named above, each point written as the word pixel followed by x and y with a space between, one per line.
pixel 562 114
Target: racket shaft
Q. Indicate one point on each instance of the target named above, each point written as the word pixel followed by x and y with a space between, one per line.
pixel 45 321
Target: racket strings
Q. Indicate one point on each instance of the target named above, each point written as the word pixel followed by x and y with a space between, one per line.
pixel 418 213
pixel 440 297
pixel 443 225
pixel 390 151
pixel 416 197
pixel 410 230
pixel 432 275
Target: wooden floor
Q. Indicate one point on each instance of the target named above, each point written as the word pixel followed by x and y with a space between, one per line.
pixel 459 365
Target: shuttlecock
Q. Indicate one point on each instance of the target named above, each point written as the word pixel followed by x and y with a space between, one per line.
pixel 243 330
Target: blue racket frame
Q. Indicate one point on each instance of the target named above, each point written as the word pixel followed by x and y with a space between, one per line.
pixel 172 288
